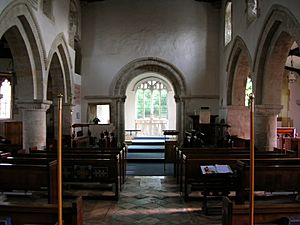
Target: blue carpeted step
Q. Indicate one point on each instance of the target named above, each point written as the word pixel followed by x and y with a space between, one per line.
pixel 145 155
pixel 149 137
pixel 146 148
pixel 148 142
pixel 145 160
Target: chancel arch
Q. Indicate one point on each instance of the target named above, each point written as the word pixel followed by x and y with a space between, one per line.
pixel 280 31
pixel 140 66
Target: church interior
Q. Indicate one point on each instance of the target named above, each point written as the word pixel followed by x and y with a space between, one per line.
pixel 129 112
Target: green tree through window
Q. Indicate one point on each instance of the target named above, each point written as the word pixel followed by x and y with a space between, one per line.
pixel 248 91
pixel 151 100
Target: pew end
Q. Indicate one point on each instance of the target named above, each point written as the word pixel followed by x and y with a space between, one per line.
pixel 21 214
pixel 264 213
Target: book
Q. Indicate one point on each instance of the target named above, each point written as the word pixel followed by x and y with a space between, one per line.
pixel 210 169
pixel 5 221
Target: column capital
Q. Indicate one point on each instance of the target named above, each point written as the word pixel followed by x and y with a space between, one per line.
pixel 178 98
pixel 235 107
pixel 36 104
pixel 121 99
pixel 267 110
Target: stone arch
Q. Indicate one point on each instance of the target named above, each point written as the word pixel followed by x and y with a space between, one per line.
pixel 238 68
pixel 59 47
pixel 279 32
pixel 141 66
pixel 60 67
pixel 281 29
pixel 19 26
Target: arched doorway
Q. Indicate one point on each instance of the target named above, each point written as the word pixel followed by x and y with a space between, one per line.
pixel 150 105
pixel 167 71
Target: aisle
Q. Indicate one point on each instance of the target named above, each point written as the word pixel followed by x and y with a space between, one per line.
pixel 146 149
pixel 146 156
pixel 147 200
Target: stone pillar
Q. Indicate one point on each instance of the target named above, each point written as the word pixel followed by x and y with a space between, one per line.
pixel 120 126
pixel 265 125
pixel 238 117
pixel 180 112
pixel 67 119
pixel 34 123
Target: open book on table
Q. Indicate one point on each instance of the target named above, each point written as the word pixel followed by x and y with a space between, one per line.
pixel 209 169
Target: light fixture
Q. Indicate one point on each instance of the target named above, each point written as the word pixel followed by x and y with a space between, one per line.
pixel 292 77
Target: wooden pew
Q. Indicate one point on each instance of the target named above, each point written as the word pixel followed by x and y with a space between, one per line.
pixel 83 169
pixel 90 151
pixel 12 148
pixel 87 154
pixel 218 156
pixel 276 174
pixel 30 176
pixel 264 213
pixel 201 151
pixel 92 171
pixel 122 151
pixel 4 154
pixel 21 214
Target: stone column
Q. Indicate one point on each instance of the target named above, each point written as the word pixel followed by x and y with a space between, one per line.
pixel 34 123
pixel 238 117
pixel 67 118
pixel 120 126
pixel 180 112
pixel 265 125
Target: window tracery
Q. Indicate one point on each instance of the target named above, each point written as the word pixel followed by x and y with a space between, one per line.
pixel 151 100
pixel 228 22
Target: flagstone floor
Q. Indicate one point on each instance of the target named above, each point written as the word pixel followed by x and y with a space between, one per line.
pixel 147 200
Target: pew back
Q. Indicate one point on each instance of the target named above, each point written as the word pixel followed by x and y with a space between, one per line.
pixel 233 214
pixel 42 213
pixel 28 176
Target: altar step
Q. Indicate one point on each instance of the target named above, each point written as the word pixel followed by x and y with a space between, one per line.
pixel 146 149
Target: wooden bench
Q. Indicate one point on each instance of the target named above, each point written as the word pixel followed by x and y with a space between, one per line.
pixel 83 169
pixel 201 152
pixel 30 176
pixel 191 161
pixel 85 155
pixel 21 214
pixel 105 152
pixel 12 148
pixel 264 213
pixel 93 172
pixel 4 154
pixel 275 174
pixel 122 151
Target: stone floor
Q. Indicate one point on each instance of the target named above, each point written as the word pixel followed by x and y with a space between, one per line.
pixel 147 200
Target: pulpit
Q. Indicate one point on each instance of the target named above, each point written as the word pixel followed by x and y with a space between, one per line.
pixel 213 133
